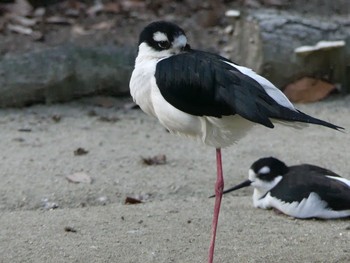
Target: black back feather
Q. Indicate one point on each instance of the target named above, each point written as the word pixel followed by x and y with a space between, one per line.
pixel 303 179
pixel 203 84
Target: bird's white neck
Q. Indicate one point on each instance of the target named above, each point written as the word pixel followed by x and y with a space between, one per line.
pixel 147 55
pixel 262 187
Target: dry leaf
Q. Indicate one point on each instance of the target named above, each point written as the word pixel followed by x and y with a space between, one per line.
pixel 20 29
pixel 308 90
pixel 27 22
pixel 95 9
pixel 79 30
pixel 80 151
pixel 104 25
pixel 132 201
pixel 56 118
pixel 112 7
pixel 60 20
pixel 72 12
pixel 69 229
pixel 39 12
pixel 108 119
pixel 131 5
pixel 79 177
pixel 155 160
pixel 24 130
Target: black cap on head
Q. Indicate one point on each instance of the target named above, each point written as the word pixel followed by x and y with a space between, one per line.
pixel 169 29
pixel 274 168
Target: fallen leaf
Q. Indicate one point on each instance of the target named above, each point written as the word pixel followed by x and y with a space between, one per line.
pixel 155 160
pixel 39 12
pixel 24 21
pixel 60 20
pixel 108 119
pixel 72 12
pixel 24 130
pixel 79 177
pixel 95 9
pixel 69 229
pixel 132 201
pixel 308 90
pixel 79 30
pixel 20 29
pixel 112 7
pixel 131 5
pixel 56 118
pixel 104 25
pixel 80 151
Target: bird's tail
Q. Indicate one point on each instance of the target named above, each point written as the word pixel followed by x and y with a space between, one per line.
pixel 299 116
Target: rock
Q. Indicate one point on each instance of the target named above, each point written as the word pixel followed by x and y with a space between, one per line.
pixel 265 40
pixel 63 73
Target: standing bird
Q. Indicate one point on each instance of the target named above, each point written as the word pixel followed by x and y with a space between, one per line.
pixel 205 96
pixel 301 191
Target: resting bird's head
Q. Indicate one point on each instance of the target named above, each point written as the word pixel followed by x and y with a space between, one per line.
pixel 162 39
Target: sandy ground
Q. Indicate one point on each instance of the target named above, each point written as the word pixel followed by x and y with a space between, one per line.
pixel 173 223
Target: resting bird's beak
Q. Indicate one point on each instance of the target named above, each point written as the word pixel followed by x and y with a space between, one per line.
pixel 186 48
pixel 234 188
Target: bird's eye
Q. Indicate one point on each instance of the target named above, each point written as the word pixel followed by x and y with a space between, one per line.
pixel 164 44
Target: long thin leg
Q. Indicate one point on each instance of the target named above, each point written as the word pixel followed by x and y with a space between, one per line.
pixel 219 186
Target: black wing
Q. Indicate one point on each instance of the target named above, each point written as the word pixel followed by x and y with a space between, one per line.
pixel 303 179
pixel 201 83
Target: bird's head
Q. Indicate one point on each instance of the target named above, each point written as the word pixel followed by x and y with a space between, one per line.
pixel 162 39
pixel 264 174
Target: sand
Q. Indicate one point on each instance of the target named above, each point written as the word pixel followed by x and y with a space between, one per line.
pixel 39 205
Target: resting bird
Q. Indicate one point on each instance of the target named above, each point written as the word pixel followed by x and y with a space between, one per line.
pixel 301 191
pixel 205 96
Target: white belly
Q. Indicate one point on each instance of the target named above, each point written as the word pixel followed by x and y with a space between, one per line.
pixel 217 132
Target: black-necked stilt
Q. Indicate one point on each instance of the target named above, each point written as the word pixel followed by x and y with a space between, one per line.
pixel 205 96
pixel 301 191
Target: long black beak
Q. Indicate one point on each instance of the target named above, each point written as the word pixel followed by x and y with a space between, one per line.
pixel 186 48
pixel 234 188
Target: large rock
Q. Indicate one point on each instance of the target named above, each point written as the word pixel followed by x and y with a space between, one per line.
pixel 64 73
pixel 265 40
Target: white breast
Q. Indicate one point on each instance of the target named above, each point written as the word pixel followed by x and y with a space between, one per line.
pixel 140 86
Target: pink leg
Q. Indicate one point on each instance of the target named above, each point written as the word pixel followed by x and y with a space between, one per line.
pixel 219 186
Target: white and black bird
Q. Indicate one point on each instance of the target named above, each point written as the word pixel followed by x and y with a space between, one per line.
pixel 301 191
pixel 205 96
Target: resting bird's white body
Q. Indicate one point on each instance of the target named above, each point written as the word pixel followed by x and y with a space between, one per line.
pixel 301 191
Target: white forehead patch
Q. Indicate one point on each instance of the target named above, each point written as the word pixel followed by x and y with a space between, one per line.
pixel 160 36
pixel 180 41
pixel 251 175
pixel 264 170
